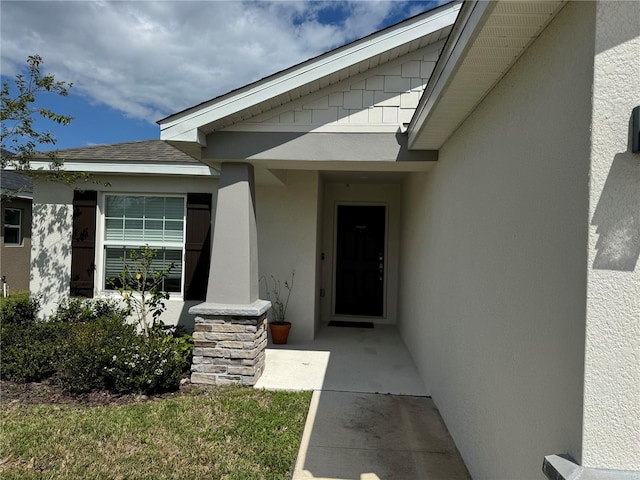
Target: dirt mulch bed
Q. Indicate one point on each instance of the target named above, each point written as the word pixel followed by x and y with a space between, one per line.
pixel 46 392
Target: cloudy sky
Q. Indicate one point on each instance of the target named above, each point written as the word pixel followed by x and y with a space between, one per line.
pixel 134 62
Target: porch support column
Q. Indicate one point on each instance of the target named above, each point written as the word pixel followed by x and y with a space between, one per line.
pixel 230 327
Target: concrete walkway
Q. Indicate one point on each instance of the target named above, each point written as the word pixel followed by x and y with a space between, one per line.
pixel 364 436
pixel 352 430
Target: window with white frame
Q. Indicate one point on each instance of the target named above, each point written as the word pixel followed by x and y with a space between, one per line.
pixel 132 221
pixel 12 226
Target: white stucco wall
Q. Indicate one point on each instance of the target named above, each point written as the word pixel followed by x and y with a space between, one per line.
pixel 287 240
pixel 51 243
pixel 493 261
pixel 611 437
pixel 52 227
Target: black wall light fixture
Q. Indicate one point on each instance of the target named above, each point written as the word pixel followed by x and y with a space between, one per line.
pixel 635 130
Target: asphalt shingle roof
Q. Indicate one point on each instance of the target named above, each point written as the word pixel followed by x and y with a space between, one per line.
pixel 149 150
pixel 13 181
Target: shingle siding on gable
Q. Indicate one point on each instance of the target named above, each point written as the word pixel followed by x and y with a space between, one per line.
pixel 386 95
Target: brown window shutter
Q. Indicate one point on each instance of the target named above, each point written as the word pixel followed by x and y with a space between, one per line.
pixel 198 246
pixel 83 243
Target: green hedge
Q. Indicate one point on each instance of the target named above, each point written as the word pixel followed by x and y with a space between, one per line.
pixel 88 345
pixel 19 309
pixel 29 352
pixel 82 310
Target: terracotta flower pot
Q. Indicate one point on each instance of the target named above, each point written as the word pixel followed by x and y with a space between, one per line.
pixel 279 332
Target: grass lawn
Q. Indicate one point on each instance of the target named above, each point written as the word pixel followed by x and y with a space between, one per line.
pixel 222 433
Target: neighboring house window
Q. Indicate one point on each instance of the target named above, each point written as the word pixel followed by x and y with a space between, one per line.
pixel 131 221
pixel 12 226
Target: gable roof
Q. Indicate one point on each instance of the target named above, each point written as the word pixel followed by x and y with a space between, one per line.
pixel 192 125
pixel 487 39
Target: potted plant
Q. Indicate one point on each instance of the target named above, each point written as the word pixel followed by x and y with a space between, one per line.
pixel 278 326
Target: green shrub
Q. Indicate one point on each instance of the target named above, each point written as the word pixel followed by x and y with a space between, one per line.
pixel 89 345
pixel 19 309
pixel 149 365
pixel 183 344
pixel 82 310
pixel 88 352
pixel 30 351
pixel 109 354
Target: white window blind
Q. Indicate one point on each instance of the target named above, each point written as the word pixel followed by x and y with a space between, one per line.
pixel 142 219
pixel 132 221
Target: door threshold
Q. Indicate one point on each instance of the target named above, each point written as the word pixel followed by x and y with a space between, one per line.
pixel 341 323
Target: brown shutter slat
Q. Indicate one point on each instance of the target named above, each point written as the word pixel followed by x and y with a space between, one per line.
pixel 197 246
pixel 83 243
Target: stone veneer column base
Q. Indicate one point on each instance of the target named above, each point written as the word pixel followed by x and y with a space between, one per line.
pixel 228 348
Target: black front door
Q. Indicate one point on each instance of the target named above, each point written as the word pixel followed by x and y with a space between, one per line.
pixel 360 260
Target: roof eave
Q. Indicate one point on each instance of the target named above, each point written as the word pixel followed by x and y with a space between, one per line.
pixel 457 88
pixel 472 16
pixel 114 167
pixel 21 195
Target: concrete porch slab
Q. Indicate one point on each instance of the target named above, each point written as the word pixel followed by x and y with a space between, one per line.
pixel 368 360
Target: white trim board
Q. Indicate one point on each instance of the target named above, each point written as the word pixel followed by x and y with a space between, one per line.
pixel 158 168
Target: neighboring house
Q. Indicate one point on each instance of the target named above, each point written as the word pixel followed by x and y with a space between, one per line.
pixel 466 175
pixel 15 244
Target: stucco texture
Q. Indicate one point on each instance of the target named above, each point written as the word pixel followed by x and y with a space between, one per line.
pixel 51 243
pixel 287 241
pixel 493 266
pixel 611 436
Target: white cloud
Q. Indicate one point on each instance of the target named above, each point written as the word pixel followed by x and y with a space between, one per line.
pixel 150 59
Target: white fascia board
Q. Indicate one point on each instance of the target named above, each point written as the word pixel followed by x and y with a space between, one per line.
pixel 472 16
pixel 330 128
pixel 195 118
pixel 182 169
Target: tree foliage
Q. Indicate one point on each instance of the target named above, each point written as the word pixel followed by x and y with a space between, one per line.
pixel 141 284
pixel 18 135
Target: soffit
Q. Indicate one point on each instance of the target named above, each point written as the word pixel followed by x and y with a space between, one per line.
pixel 481 57
pixel 311 76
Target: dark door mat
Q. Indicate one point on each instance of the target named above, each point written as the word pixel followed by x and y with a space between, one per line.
pixel 337 323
